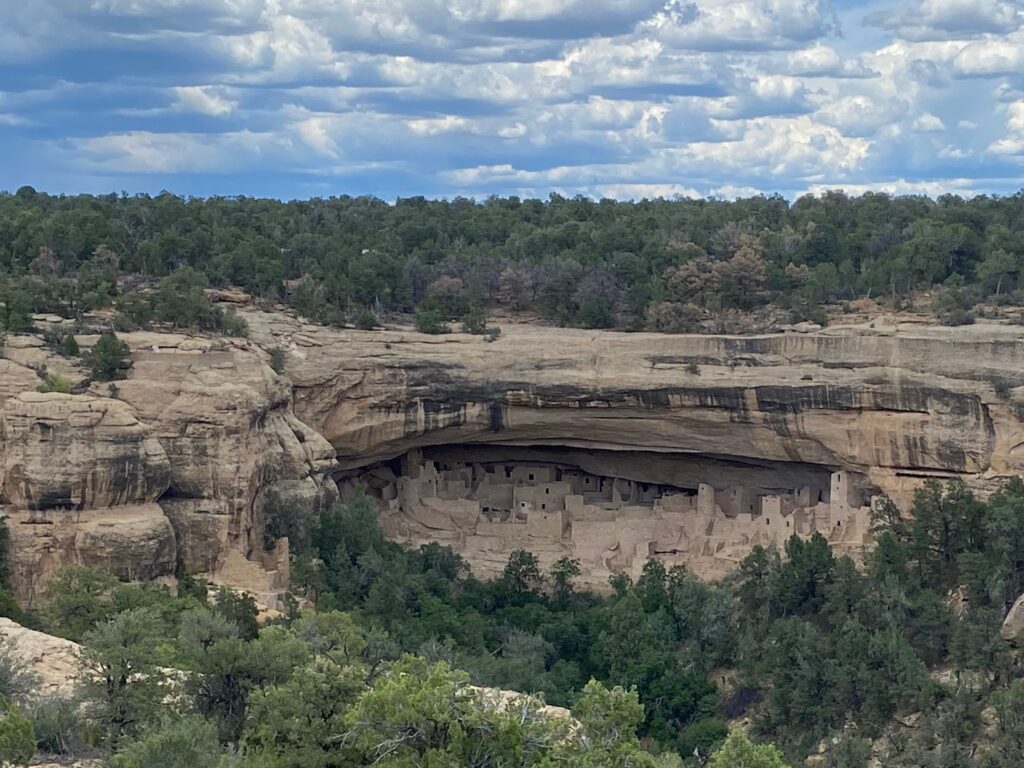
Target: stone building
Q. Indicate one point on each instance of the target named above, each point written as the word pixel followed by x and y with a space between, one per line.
pixel 486 509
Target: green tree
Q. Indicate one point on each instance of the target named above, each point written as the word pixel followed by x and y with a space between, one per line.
pixel 189 742
pixel 739 752
pixel 17 739
pixel 109 358
pixel 300 721
pixel 120 678
pixel 430 321
pixel 76 599
pixel 561 576
pixel 522 572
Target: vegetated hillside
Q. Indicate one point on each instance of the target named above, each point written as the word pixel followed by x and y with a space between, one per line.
pixel 659 264
pixel 901 664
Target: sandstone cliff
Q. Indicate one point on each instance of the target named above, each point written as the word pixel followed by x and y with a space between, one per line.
pixel 176 463
pixel 172 466
pixel 893 404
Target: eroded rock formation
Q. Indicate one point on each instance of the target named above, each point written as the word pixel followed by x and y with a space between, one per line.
pixel 170 467
pixel 177 463
pixel 886 406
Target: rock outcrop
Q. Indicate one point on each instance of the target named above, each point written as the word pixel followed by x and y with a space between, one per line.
pixel 184 458
pixel 171 467
pixel 893 404
pixel 75 452
pixel 887 407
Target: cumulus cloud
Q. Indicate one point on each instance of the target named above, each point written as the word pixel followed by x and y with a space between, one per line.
pixel 621 98
pixel 742 24
pixel 928 123
pixel 149 152
pixel 949 19
pixel 1013 142
pixel 203 99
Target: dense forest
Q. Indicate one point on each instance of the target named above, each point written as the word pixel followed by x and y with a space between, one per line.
pixel 671 265
pixel 371 667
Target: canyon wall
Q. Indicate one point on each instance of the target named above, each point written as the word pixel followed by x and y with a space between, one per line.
pixel 174 466
pixel 170 468
pixel 893 405
pixel 881 407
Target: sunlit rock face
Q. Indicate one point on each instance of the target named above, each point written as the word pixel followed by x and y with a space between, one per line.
pixel 170 468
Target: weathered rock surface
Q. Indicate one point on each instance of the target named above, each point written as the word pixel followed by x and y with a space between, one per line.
pixel 886 406
pixel 54 660
pixel 73 452
pixel 891 404
pixel 206 430
pixel 136 542
pixel 177 462
pixel 1013 624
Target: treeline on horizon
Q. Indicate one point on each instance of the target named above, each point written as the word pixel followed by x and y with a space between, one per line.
pixel 670 265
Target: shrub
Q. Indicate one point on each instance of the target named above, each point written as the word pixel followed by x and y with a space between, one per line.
pixel 475 322
pixel 232 323
pixel 431 321
pixel 17 741
pixel 277 359
pixel 365 320
pixel 54 382
pixel 954 317
pixel 595 313
pixel 109 359
pixel 187 743
pixel 59 726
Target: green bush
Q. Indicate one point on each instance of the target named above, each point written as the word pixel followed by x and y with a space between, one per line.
pixel 365 320
pixel 475 322
pixel 109 359
pixel 187 743
pixel 277 359
pixel 60 727
pixel 17 740
pixel 431 321
pixel 54 382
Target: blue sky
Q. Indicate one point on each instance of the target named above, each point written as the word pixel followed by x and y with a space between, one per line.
pixel 617 98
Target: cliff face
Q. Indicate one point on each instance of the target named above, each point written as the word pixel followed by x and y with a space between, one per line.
pixel 762 422
pixel 892 405
pixel 176 464
pixel 172 466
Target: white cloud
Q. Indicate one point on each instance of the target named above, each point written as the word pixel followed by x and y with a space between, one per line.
pixel 148 152
pixel 774 146
pixel 742 24
pixel 927 123
pixel 819 59
pixel 993 56
pixel 948 19
pixel 204 99
pixel 933 188
pixel 1013 142
pixel 650 191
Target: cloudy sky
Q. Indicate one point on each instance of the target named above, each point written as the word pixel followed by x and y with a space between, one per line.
pixel 619 98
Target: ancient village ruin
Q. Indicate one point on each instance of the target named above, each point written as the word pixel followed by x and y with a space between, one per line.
pixel 613 512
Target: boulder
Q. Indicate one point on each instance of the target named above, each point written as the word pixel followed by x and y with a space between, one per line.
pixel 1013 624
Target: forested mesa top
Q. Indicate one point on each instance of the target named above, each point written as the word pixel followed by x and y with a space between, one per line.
pixel 674 265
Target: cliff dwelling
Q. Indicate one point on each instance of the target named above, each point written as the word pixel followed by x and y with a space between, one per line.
pixel 613 510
